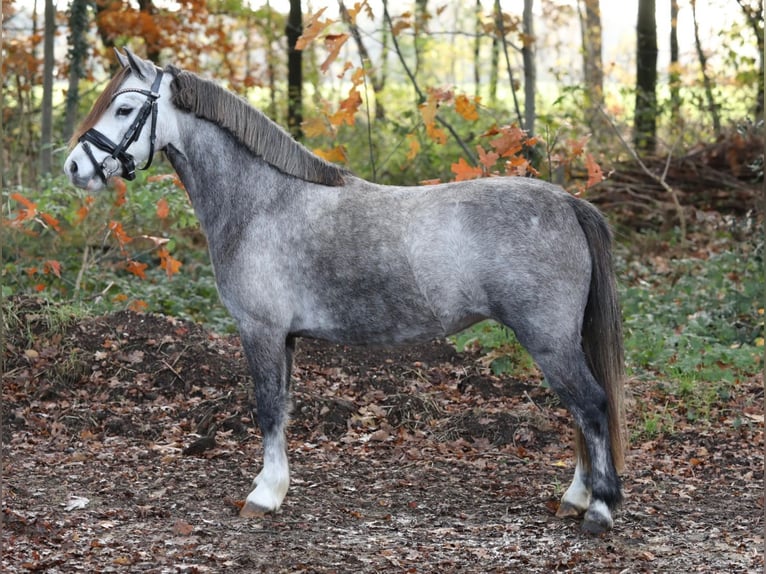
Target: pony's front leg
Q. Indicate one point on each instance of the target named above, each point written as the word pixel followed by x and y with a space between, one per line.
pixel 270 360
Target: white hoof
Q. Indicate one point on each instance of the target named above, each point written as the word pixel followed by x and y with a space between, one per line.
pixel 577 498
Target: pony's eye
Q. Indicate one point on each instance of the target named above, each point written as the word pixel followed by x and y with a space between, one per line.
pixel 124 111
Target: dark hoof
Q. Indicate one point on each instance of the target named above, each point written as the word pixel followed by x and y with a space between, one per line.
pixel 596 523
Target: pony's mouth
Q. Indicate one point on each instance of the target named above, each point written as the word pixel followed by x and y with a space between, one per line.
pixel 93 182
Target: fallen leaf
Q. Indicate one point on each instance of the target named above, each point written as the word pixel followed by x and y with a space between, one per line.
pixel 76 503
pixel 182 528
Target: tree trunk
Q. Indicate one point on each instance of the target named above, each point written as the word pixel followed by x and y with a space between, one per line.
pixel 593 70
pixel 477 48
pixel 754 15
pixel 494 69
pixel 419 29
pixel 530 69
pixel 294 71
pixel 674 73
pixel 46 134
pixel 645 121
pixel 78 51
pixel 500 33
pixel 712 105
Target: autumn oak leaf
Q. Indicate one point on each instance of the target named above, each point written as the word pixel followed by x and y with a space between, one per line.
pixel 119 233
pixel 313 28
pixel 466 108
pixel 414 147
pixel 595 175
pixel 163 209
pixel 335 155
pixel 333 42
pixel 464 171
pixel 170 264
pixel 136 268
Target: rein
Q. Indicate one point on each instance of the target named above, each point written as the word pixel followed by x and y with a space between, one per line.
pixel 119 152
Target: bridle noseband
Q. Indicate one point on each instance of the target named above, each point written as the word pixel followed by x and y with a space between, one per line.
pixel 119 151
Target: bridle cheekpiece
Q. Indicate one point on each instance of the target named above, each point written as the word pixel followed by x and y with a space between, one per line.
pixel 119 152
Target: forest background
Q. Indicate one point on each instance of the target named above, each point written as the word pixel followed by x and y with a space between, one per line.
pixel 655 115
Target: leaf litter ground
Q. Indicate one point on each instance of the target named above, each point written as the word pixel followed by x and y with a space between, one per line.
pixel 128 446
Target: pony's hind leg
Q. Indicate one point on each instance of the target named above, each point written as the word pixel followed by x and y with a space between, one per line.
pixel 270 360
pixel 596 488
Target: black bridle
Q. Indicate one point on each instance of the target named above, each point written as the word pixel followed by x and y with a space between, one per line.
pixel 119 152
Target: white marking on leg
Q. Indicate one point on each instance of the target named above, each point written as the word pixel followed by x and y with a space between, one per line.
pixel 272 482
pixel 577 495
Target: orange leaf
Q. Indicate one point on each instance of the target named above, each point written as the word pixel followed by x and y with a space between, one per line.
pixel 52 266
pixel 138 306
pixel 414 147
pixel 136 268
pixel 119 233
pixel 182 528
pixel 170 264
pixel 51 221
pixel 161 177
pixel 348 108
pixel 487 159
pixel 428 112
pixel 466 108
pixel 162 208
pixel 315 127
pixel 165 177
pixel 401 24
pixel 28 211
pixel 314 27
pixel 336 154
pixel 333 42
pixel 82 213
pixel 595 175
pixel 121 188
pixel 510 141
pixel 40 287
pixel 464 171
pixel 24 201
pixel 578 146
pixel 358 76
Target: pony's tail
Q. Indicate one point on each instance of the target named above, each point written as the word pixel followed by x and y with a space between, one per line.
pixel 602 329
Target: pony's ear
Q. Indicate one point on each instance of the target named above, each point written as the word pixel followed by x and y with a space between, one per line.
pixel 143 69
pixel 121 59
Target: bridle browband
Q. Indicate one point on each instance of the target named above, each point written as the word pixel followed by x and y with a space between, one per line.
pixel 119 151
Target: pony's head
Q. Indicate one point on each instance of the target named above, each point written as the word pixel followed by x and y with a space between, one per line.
pixel 121 131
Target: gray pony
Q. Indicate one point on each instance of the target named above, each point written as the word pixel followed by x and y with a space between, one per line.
pixel 303 248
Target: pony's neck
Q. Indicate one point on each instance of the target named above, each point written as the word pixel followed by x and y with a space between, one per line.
pixel 222 177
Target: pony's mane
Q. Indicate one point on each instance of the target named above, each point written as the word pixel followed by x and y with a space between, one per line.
pixel 252 128
pixel 102 103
